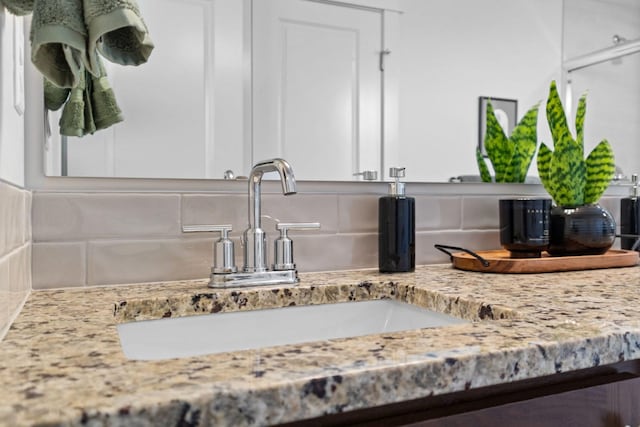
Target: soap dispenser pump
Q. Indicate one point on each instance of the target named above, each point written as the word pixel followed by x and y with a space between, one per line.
pixel 630 217
pixel 396 227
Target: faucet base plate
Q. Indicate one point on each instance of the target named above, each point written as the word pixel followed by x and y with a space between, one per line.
pixel 235 280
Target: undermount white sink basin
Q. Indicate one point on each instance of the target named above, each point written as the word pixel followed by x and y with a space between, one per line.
pixel 222 332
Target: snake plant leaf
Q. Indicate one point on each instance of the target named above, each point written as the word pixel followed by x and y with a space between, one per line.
pixel 525 140
pixel 568 178
pixel 557 119
pixel 544 165
pixel 485 175
pixel 567 175
pixel 499 149
pixel 580 114
pixel 600 170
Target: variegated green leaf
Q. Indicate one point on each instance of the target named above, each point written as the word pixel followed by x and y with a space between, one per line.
pixel 557 119
pixel 580 113
pixel 525 140
pixel 482 166
pixel 567 176
pixel 499 149
pixel 600 170
pixel 544 165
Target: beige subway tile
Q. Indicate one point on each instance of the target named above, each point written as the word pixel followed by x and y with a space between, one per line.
pixel 19 278
pixel 77 216
pixel 233 209
pixel 134 261
pixel 335 252
pixel 358 213
pixel 59 265
pixel 215 210
pixel 480 240
pixel 438 213
pixel 322 208
pixel 480 213
pixel 5 294
pixel 12 218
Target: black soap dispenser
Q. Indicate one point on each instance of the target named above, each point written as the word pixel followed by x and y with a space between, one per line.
pixel 396 228
pixel 630 217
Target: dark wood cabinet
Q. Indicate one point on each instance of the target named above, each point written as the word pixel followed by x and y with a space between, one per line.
pixel 599 397
pixel 615 404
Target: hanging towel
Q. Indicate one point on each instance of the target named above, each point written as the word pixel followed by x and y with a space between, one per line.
pixel 103 101
pixel 18 7
pixel 91 105
pixel 54 96
pixel 72 121
pixel 58 40
pixel 117 30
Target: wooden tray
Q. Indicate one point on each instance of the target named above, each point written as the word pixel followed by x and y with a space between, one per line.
pixel 501 262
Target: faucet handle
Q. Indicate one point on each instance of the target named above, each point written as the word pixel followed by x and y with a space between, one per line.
pixel 283 257
pixel 368 175
pixel 223 249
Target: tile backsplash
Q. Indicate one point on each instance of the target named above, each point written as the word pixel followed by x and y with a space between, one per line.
pixel 15 252
pixel 87 239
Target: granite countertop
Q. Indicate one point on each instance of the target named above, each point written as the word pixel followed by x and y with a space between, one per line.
pixel 61 361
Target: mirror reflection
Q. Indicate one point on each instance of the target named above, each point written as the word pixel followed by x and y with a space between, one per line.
pixel 345 90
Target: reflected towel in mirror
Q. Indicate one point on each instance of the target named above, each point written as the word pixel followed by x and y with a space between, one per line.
pixel 117 30
pixel 58 40
pixel 18 7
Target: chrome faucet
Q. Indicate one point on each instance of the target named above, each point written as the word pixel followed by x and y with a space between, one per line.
pixel 254 239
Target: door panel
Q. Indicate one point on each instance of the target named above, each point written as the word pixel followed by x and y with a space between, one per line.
pixel 317 87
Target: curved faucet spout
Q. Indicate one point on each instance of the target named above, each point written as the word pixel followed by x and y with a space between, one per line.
pixel 287 180
pixel 255 252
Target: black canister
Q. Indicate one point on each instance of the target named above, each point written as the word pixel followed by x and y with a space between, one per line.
pixel 524 226
pixel 630 217
pixel 396 228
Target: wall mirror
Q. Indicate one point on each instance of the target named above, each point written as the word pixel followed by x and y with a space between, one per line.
pixel 344 91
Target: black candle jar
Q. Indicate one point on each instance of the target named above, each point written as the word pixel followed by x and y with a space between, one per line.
pixel 524 226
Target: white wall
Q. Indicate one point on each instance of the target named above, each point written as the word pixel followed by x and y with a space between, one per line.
pixel 11 99
pixel 440 86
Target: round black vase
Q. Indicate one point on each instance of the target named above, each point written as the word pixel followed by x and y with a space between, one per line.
pixel 581 230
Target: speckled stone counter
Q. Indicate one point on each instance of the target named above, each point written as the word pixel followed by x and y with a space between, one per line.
pixel 61 362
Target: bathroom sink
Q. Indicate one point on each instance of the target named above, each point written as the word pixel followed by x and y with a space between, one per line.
pixel 223 332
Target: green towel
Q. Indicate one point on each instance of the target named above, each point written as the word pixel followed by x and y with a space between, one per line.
pixel 117 30
pixel 18 7
pixel 72 121
pixel 103 101
pixel 54 96
pixel 91 106
pixel 58 40
pixel 89 121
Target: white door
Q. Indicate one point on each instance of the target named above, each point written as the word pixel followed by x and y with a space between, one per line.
pixel 317 87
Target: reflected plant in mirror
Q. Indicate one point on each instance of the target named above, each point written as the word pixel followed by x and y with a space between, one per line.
pixel 510 156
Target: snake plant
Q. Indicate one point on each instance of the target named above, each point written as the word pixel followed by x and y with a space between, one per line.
pixel 570 179
pixel 509 156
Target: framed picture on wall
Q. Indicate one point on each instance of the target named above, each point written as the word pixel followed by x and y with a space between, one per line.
pixel 506 111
